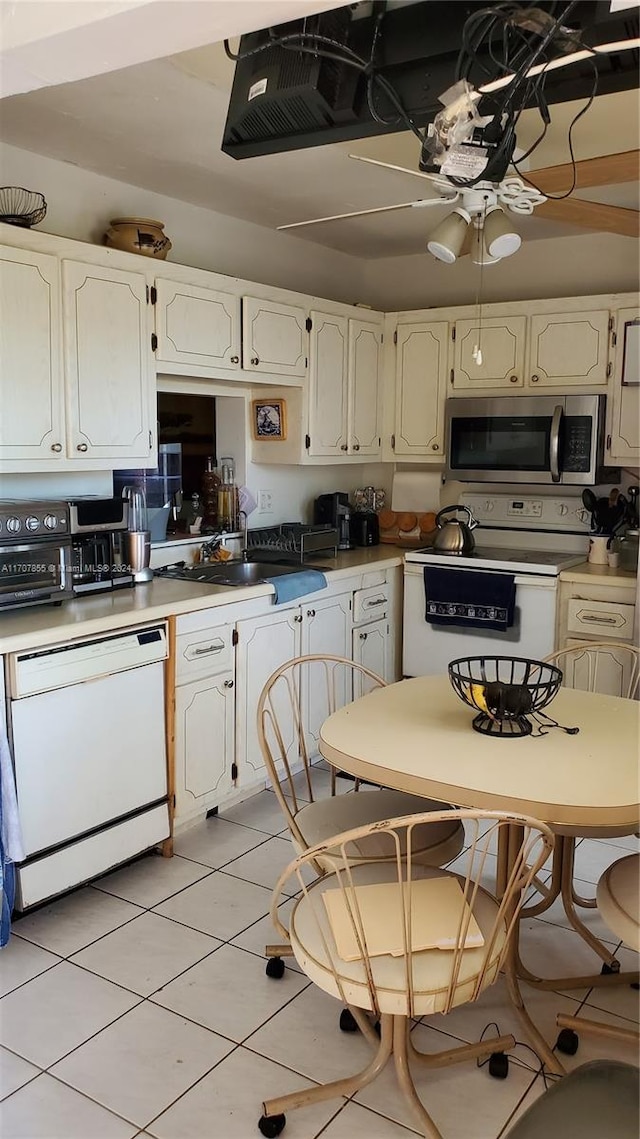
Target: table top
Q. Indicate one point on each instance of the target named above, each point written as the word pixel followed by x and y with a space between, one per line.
pixel 417 736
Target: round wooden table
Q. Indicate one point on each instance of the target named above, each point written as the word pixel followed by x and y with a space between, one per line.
pixel 417 736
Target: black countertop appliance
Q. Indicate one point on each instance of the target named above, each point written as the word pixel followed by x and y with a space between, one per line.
pixel 365 528
pixel 335 510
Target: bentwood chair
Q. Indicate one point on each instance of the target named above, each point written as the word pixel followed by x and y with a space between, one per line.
pixel 400 939
pixel 597 1100
pixel 597 666
pixel 293 704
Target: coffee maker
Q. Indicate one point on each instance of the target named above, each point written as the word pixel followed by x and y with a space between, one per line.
pixel 335 510
pixel 98 529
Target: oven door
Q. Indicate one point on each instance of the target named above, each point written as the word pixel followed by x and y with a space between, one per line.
pixel 34 572
pixel 512 440
pixel 428 649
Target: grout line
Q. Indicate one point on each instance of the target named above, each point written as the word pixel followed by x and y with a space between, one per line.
pixel 503 1129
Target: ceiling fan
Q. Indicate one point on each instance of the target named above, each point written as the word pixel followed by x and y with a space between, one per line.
pixel 480 222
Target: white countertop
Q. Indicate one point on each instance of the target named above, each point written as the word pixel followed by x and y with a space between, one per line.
pixel 590 574
pixel 32 628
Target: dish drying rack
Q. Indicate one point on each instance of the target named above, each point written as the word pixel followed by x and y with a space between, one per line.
pixel 294 539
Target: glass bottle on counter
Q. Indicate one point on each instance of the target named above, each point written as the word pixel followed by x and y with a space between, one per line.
pixel 210 487
pixel 228 505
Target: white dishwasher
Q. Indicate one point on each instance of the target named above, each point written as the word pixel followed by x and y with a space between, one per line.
pixel 87 726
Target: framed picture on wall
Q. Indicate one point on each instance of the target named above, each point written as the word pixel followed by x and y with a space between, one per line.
pixel 269 419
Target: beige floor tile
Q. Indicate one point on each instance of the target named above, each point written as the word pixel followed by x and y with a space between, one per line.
pixel 261 811
pixel 146 953
pixel 357 1122
pixel 620 1000
pixel 305 1036
pixel 220 905
pixel 20 961
pixel 47 1109
pixel 228 1103
pixel 141 1064
pixel 152 879
pixel 535 1091
pixel 264 865
pixel 70 923
pixel 14 1072
pixel 590 918
pixel 264 933
pixel 628 842
pixel 215 841
pixel 59 1010
pixel 600 1047
pixel 229 993
pixel 593 855
pixel 463 1100
pixel 553 951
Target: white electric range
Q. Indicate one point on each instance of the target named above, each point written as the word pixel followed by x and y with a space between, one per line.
pixel 534 538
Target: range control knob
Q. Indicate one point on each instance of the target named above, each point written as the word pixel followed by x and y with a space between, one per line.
pixel 489 506
pixel 563 508
pixel 50 521
pixel 32 523
pixel 14 525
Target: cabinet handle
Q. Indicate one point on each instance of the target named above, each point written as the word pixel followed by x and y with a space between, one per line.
pixel 235 359
pixel 82 447
pixel 311 612
pixel 356 446
pixel 255 360
pixel 377 601
pixel 591 618
pixel 513 379
pixel 216 647
pixel 57 447
pixel 363 636
pixel 535 379
pixel 343 446
pixel 228 684
pixel 435 446
pixel 151 441
pixel 298 617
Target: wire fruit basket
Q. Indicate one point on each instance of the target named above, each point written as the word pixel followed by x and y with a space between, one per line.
pixel 21 207
pixel 505 691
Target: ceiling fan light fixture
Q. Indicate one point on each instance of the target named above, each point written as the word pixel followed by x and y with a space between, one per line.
pixel 500 238
pixel 447 238
pixel 480 254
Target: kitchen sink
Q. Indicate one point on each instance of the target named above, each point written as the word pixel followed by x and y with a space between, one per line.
pixel 232 573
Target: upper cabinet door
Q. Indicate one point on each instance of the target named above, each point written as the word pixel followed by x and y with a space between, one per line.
pixel 624 423
pixel 500 341
pixel 274 338
pixel 421 389
pixel 110 382
pixel 569 348
pixel 31 401
pixel 328 385
pixel 197 326
pixel 365 344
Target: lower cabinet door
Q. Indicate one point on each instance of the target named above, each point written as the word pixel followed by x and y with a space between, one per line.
pixel 612 675
pixel 204 744
pixel 326 628
pixel 371 648
pixel 264 643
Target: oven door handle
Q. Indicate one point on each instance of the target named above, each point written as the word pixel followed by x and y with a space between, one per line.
pixel 554 443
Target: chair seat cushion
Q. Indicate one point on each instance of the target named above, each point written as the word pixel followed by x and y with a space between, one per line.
pixel 315 951
pixel 618 899
pixel 433 843
pixel 596 1101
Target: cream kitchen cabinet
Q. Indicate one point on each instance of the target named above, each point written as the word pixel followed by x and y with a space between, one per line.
pixel 326 630
pixel 204 714
pixel 420 389
pixel 344 386
pixel 569 349
pixel 274 338
pixel 196 326
pixel 371 648
pixel 623 441
pixel 591 612
pixel 501 341
pixel 264 643
pixel 32 427
pixel 614 669
pixel 108 363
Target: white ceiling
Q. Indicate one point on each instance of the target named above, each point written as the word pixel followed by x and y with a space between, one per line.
pixel 158 125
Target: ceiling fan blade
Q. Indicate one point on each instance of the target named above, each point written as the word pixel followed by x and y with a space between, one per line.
pixel 606 170
pixel 377 210
pixel 592 215
pixel 401 169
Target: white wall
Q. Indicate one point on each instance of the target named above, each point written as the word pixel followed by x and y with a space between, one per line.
pixel 584 265
pixel 80 205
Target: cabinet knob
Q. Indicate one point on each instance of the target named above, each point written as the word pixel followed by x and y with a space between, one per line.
pixel 311 612
pixel 343 446
pixel 255 360
pixel 356 446
pixel 435 446
pixel 513 379
pixel 298 617
pixel 363 636
pixel 57 447
pixel 82 447
pixel 235 359
pixel 228 684
pixel 535 379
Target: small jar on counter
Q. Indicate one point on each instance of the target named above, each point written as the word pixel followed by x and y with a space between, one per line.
pixel 628 547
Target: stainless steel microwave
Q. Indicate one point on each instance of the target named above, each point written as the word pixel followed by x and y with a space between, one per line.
pixel 526 439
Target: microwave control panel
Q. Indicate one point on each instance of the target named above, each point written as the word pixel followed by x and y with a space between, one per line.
pixel 576 451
